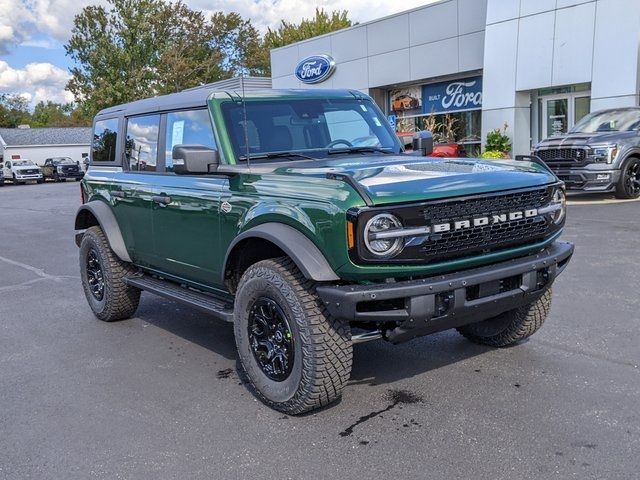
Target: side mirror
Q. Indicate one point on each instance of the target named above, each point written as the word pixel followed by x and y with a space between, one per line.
pixel 193 159
pixel 423 142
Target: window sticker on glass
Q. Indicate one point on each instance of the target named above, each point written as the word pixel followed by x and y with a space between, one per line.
pixel 364 109
pixel 376 121
pixel 178 133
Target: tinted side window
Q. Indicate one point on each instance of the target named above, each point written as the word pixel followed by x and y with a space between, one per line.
pixel 191 127
pixel 105 135
pixel 141 148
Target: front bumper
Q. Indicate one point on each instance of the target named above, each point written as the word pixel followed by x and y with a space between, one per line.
pixel 66 175
pixel 588 180
pixel 26 178
pixel 429 305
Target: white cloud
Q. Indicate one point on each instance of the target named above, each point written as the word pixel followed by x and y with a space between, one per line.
pixel 269 13
pixel 47 23
pixel 36 81
pixel 21 19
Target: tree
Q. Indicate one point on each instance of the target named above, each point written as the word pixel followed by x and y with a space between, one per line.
pixel 288 33
pixel 135 49
pixel 14 110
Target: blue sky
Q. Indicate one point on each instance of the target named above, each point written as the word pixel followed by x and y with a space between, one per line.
pixel 33 34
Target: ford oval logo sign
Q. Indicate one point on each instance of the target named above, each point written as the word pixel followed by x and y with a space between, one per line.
pixel 315 69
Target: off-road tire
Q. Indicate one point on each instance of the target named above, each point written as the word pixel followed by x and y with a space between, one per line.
pixel 510 327
pixel 322 344
pixel 16 181
pixel 39 181
pixel 622 190
pixel 119 301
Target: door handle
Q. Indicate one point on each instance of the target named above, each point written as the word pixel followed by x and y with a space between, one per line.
pixel 161 199
pixel 118 194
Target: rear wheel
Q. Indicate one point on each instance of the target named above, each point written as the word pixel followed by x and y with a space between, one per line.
pixel 103 274
pixel 295 356
pixel 510 327
pixel 629 184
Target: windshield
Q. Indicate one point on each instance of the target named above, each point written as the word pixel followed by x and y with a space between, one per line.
pixel 63 161
pixel 20 163
pixel 609 121
pixel 314 127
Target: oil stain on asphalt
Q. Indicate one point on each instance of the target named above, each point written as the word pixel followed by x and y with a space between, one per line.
pixel 396 397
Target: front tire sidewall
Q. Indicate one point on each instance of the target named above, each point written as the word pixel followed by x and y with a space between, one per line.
pixel 622 191
pixel 280 292
pixel 90 242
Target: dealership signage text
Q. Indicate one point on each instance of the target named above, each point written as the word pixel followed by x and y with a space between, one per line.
pixel 452 96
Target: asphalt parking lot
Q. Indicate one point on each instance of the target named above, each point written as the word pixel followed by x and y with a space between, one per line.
pixel 158 396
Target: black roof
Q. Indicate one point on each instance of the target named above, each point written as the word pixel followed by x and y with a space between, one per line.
pixel 45 136
pixel 197 97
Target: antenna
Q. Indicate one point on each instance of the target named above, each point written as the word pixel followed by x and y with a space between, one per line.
pixel 246 127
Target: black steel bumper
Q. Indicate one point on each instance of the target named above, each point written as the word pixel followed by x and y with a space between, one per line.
pixel 66 175
pixel 429 305
pixel 588 180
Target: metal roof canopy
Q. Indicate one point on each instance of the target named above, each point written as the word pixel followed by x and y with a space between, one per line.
pixel 192 97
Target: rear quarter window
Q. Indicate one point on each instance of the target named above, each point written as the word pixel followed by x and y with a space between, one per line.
pixel 105 140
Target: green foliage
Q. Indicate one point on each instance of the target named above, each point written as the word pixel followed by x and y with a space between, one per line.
pixel 492 154
pixel 498 141
pixel 134 49
pixel 14 110
pixel 51 114
pixel 288 33
pixel 125 50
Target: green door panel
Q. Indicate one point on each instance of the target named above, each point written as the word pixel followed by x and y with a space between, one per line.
pixel 130 198
pixel 187 230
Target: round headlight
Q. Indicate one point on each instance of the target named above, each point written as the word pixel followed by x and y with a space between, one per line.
pixel 381 245
pixel 560 198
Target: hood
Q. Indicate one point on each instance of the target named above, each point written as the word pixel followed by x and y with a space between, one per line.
pixel 586 139
pixel 403 178
pixel 19 168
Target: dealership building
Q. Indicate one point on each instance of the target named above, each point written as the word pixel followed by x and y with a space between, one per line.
pixel 466 67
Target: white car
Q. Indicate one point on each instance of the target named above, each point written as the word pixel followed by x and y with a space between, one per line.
pixel 22 171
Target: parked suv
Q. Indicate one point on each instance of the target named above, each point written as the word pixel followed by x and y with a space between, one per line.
pixel 296 216
pixel 61 168
pixel 601 153
pixel 21 171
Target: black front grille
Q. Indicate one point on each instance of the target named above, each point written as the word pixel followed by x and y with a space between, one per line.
pixel 562 155
pixel 32 172
pixel 473 240
pixel 69 169
pixel 488 205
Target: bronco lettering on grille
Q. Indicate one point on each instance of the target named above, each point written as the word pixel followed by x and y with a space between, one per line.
pixel 482 221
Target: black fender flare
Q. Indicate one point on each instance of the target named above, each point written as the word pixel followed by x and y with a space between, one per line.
pixel 108 223
pixel 304 253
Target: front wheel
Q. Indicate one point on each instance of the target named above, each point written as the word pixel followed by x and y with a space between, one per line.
pixel 103 274
pixel 629 184
pixel 510 327
pixel 296 357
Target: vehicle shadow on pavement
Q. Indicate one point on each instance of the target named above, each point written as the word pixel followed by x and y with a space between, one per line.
pixel 191 325
pixel 379 362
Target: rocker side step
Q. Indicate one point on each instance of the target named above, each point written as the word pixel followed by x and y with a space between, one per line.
pixel 173 291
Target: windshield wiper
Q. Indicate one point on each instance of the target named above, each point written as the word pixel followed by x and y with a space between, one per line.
pixel 262 156
pixel 349 150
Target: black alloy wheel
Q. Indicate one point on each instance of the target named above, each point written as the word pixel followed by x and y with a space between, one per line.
pixel 95 276
pixel 271 339
pixel 632 179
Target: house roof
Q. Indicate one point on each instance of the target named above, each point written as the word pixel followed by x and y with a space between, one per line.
pixel 45 136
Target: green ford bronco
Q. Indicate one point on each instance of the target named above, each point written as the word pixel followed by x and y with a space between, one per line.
pixel 297 216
